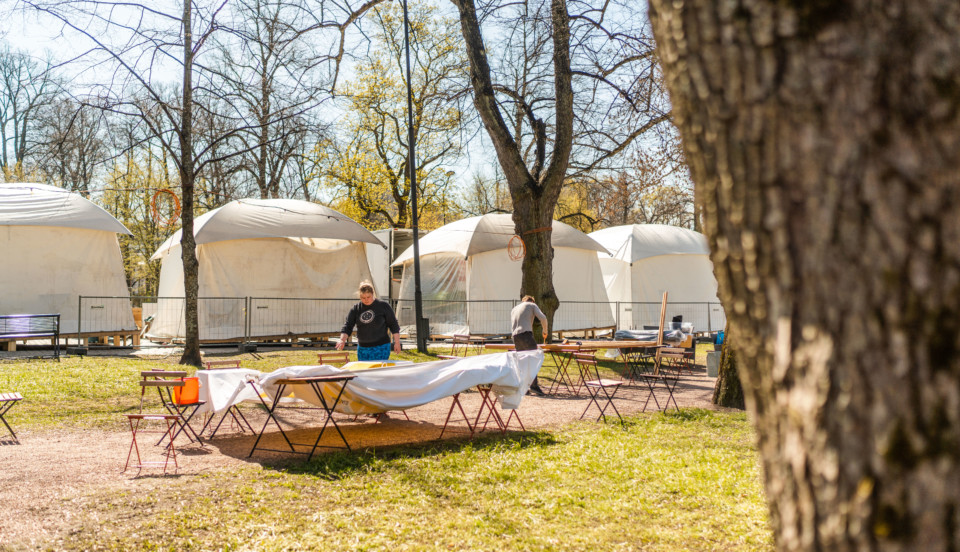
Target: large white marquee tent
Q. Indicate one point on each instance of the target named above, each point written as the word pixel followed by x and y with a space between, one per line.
pixel 299 262
pixel 57 246
pixel 646 260
pixel 469 282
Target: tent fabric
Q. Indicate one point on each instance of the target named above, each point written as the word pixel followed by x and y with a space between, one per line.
pixel 271 218
pixel 407 386
pixel 54 266
pixel 634 242
pixel 474 293
pixel 647 260
pixel 300 284
pixel 474 235
pixel 28 204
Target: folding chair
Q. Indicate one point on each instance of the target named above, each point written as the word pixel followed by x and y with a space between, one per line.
pixel 333 359
pixel 676 358
pixel 181 398
pixel 599 388
pixel 138 426
pixel 460 346
pixel 8 401
pixel 669 382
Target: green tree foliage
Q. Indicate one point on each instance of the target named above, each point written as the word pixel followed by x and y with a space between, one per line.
pixel 364 167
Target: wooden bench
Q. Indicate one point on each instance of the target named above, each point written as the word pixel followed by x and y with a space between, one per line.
pixel 15 327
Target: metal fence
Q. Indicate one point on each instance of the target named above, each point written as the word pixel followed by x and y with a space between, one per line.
pixel 252 319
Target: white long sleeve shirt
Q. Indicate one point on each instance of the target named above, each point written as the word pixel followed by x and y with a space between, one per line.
pixel 521 317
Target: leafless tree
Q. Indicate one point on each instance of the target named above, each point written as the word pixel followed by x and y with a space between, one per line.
pixel 27 86
pixel 563 88
pixel 822 137
pixel 147 45
pixel 271 70
pixel 72 149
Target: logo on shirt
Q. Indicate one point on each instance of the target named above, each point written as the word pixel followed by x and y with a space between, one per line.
pixel 366 316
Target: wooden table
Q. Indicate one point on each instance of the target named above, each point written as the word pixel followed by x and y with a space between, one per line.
pixel 562 354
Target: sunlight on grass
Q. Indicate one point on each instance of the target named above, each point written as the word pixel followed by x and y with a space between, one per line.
pixel 675 482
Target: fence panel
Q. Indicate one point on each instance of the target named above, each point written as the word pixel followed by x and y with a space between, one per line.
pixel 272 317
pixel 105 315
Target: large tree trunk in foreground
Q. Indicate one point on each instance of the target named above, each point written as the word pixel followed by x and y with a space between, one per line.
pixel 824 138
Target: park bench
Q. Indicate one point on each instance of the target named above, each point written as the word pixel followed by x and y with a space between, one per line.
pixel 15 327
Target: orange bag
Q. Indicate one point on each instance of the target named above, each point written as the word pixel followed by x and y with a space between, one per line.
pixel 189 393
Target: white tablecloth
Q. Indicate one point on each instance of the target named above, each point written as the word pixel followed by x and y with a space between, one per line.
pixel 393 387
pixel 223 388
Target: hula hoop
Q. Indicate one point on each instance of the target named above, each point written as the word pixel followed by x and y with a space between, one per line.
pixel 516 249
pixel 157 216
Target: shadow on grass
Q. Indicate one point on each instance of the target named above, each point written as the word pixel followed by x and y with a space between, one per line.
pixel 338 465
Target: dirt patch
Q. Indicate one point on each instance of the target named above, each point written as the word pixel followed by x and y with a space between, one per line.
pixel 49 475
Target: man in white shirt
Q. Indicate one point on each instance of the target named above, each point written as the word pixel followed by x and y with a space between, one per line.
pixel 521 320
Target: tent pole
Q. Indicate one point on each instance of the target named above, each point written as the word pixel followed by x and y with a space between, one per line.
pixel 422 329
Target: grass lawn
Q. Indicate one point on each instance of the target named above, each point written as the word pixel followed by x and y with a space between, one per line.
pixel 680 481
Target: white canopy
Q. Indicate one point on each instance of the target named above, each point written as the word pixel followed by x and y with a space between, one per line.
pixel 57 246
pixel 28 204
pixel 634 242
pixel 647 260
pixel 298 262
pixel 474 235
pixel 469 282
pixel 271 218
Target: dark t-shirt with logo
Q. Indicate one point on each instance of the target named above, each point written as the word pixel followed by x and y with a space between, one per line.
pixel 372 322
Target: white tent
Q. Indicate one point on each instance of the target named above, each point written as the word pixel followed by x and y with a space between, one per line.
pixel 299 262
pixel 469 282
pixel 57 246
pixel 647 259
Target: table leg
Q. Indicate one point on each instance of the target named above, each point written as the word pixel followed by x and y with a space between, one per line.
pixel 329 409
pixel 270 409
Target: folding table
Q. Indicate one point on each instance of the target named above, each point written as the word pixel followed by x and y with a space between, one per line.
pixel 315 383
pixel 221 390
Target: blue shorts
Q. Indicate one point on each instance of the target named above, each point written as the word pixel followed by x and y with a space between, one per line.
pixel 377 352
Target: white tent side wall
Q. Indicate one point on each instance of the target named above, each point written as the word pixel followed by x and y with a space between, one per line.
pixel 685 278
pixel 578 281
pixel 378 259
pixel 443 278
pixel 490 283
pixel 47 268
pixel 276 271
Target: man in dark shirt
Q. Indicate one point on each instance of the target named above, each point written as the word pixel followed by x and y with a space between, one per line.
pixel 372 318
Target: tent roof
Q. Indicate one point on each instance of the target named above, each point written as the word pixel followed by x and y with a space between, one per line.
pixel 28 204
pixel 634 242
pixel 474 235
pixel 272 218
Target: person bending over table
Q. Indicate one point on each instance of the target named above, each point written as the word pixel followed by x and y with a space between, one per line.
pixel 521 319
pixel 372 318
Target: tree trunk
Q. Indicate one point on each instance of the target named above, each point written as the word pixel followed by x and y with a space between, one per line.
pixel 728 391
pixel 824 139
pixel 534 193
pixel 188 245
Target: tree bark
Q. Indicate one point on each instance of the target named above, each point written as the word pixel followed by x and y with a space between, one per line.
pixel 728 391
pixel 823 138
pixel 534 194
pixel 188 245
